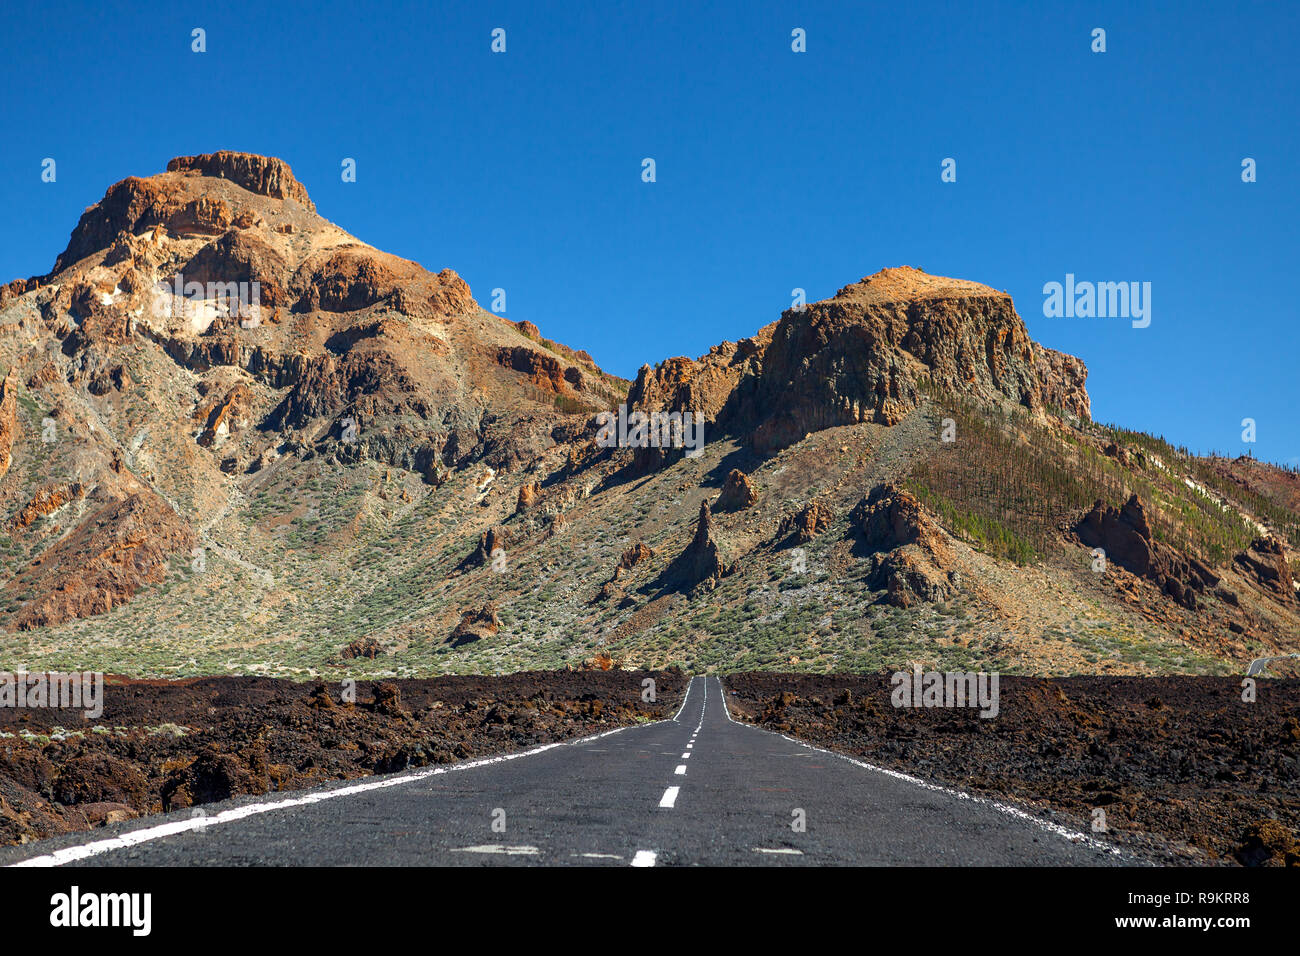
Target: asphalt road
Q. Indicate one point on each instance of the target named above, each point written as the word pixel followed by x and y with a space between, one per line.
pixel 698 789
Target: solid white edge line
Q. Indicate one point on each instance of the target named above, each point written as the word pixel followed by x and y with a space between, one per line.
pixel 685 699
pixel 132 838
pixel 722 692
pixel 1073 836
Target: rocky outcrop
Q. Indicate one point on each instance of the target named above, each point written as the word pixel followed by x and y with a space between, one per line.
pixel 580 356
pixel 805 524
pixel 863 355
pixel 1265 563
pixel 355 277
pixel 910 556
pixel 244 256
pixel 542 370
pixel 1124 534
pixel 1061 379
pixel 866 355
pixel 17 287
pixel 737 493
pixel 367 648
pixel 705 561
pixel 475 624
pixel 8 421
pixel 264 175
pixel 489 541
pixel 176 206
pixel 705 386
pixel 47 374
pixel 631 558
pixel 46 501
pixel 1119 453
pixel 223 415
pixel 530 493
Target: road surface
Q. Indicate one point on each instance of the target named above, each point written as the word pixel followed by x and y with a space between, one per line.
pixel 697 789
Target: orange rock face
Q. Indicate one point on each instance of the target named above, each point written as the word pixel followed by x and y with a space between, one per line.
pixel 8 421
pixel 476 624
pixel 225 415
pixel 862 356
pixel 103 563
pixel 264 175
pixel 910 556
pixel 46 501
pixel 805 524
pixel 737 493
pixel 529 494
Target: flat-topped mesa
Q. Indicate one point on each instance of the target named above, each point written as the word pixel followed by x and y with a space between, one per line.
pixel 908 284
pixel 264 175
pixel 864 355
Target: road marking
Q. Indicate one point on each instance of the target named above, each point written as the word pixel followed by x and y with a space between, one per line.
pixel 669 797
pixel 681 769
pixel 498 849
pixel 599 856
pixel 644 858
pixel 722 692
pixel 132 838
pixel 689 746
pixel 1071 835
pixel 581 741
pixel 685 699
pixel 703 707
pixel 686 756
pixel 778 849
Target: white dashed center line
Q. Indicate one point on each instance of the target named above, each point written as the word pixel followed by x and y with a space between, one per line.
pixel 498 848
pixel 681 769
pixel 644 858
pixel 669 797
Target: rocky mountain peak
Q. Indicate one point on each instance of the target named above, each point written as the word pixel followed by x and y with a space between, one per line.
pixel 908 284
pixel 205 327
pixel 197 196
pixel 264 175
pixel 329 453
pixel 865 355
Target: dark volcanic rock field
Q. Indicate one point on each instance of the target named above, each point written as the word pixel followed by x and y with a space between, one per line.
pixel 1180 765
pixel 164 745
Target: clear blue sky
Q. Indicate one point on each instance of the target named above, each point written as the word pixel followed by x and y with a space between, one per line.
pixel 775 169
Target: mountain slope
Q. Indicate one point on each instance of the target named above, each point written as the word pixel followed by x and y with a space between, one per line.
pixel 364 471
